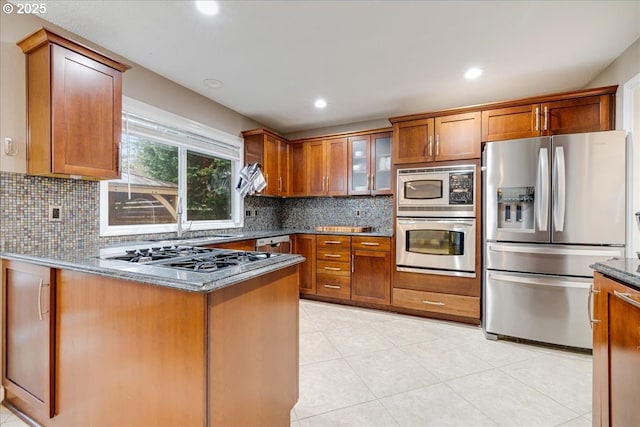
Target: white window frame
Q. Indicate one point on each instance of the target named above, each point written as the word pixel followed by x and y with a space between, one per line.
pixel 168 119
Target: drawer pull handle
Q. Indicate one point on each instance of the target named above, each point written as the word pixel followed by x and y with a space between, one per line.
pixel 370 244
pixel 332 286
pixel 627 298
pixel 592 319
pixel 40 300
pixel 333 268
pixel 332 242
pixel 332 255
pixel 426 301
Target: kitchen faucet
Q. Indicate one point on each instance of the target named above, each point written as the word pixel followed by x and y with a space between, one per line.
pixel 180 231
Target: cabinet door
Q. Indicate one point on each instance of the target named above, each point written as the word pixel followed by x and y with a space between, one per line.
pixel 28 326
pixel 316 170
pixel 86 101
pixel 381 163
pixel 624 354
pixel 284 168
pixel 522 121
pixel 336 167
pixel 271 165
pixel 299 178
pixel 359 171
pixel 371 277
pixel 457 137
pixel 413 141
pixel 305 245
pixel 589 114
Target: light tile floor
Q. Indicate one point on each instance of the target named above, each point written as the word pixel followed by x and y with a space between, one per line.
pixel 363 367
pixel 368 368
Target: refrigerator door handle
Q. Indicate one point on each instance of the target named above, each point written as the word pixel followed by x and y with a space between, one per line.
pixel 528 280
pixel 546 250
pixel 559 195
pixel 542 207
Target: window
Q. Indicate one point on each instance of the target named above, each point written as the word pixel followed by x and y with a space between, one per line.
pixel 170 164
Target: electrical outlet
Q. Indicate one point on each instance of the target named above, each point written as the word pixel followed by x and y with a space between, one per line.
pixel 255 213
pixel 357 213
pixel 55 213
pixel 247 213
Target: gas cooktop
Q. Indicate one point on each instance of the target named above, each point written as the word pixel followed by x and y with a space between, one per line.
pixel 190 258
pixel 156 253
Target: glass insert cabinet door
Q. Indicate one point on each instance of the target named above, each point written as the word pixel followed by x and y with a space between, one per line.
pixel 382 163
pixel 360 175
pixel 370 164
pixel 435 242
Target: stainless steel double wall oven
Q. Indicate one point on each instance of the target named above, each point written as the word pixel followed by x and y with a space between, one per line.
pixel 436 220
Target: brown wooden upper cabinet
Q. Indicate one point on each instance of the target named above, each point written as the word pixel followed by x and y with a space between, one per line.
pixel 74 103
pixel 370 164
pixel 298 159
pixel 327 167
pixel 271 151
pixel 572 115
pixel 443 138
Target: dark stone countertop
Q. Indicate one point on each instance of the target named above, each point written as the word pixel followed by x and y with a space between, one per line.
pixel 88 259
pixel 626 270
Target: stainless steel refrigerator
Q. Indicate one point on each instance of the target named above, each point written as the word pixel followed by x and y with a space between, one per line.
pixel 552 207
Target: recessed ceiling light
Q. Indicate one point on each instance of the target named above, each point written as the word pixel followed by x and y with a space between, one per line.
pixel 213 83
pixel 473 73
pixel 208 7
pixel 320 103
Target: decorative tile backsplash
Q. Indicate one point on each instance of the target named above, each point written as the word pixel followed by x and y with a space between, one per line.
pixel 25 201
pixel 24 212
pixel 306 213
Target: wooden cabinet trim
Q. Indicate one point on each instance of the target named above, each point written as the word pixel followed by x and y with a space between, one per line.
pixel 341 135
pixel 44 35
pixel 606 90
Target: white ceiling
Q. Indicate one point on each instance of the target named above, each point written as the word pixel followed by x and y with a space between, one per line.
pixel 368 59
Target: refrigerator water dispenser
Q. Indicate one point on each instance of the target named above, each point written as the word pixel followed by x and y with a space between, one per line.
pixel 516 208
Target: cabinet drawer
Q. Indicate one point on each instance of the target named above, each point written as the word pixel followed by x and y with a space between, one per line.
pixel 371 243
pixel 436 302
pixel 331 242
pixel 340 255
pixel 333 286
pixel 334 268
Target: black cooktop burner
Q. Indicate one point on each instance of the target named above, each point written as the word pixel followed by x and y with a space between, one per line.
pixel 157 253
pixel 208 263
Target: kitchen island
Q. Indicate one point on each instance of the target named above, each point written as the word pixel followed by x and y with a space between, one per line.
pixel 616 342
pixel 90 342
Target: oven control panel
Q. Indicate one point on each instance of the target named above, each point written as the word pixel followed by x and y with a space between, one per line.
pixel 461 188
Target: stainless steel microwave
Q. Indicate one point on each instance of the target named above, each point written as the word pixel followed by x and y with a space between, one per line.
pixel 439 191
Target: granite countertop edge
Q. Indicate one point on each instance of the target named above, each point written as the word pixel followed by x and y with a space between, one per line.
pixel 204 283
pixel 626 270
pixel 86 259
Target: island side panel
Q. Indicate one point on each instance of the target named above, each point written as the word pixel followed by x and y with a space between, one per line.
pixel 253 346
pixel 129 354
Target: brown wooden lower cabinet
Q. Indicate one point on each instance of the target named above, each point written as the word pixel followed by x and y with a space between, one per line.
pixel 456 305
pixel 616 353
pixel 371 271
pixel 305 245
pixel 28 320
pixel 240 245
pixel 133 354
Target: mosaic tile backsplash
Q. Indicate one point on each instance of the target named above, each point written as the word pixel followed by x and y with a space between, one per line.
pixel 25 201
pixel 306 213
